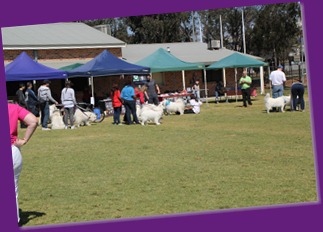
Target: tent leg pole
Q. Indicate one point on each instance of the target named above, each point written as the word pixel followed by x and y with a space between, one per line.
pixel 205 85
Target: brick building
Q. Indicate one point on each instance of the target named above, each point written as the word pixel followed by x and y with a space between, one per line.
pixel 57 45
pixel 62 44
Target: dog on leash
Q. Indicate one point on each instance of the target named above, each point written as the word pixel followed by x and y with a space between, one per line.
pixel 274 102
pixel 150 112
pixel 174 107
pixel 56 120
pixel 52 108
pixel 84 118
pixel 138 112
pixel 287 100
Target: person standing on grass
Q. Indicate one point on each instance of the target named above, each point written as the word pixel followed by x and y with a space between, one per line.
pixel 16 113
pixel 69 102
pixel 21 100
pixel 245 82
pixel 116 104
pixel 297 95
pixel 129 100
pixel 31 99
pixel 140 98
pixel 278 80
pixel 151 94
pixel 44 97
pixel 196 89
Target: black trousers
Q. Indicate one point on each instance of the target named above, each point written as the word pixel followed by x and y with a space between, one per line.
pixel 298 95
pixel 246 96
pixel 130 107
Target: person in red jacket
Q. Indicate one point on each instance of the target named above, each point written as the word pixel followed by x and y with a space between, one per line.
pixel 116 104
pixel 140 98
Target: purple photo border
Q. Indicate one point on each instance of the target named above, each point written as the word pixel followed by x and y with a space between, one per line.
pixel 305 217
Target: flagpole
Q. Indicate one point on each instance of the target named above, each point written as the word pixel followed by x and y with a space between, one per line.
pixel 243 33
pixel 200 29
pixel 221 34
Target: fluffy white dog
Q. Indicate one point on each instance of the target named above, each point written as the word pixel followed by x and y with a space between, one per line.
pixel 173 107
pixel 138 111
pixel 274 102
pixel 52 108
pixel 84 118
pixel 287 101
pixel 56 120
pixel 150 112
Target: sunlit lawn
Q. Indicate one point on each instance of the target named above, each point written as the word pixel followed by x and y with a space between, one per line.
pixel 225 157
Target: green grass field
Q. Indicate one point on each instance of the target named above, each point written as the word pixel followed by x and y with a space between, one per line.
pixel 227 157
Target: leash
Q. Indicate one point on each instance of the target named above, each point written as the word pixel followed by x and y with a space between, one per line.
pixel 82 110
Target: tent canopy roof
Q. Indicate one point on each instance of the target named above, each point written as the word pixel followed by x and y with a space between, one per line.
pixel 70 67
pixel 163 61
pixel 236 60
pixel 106 64
pixel 24 68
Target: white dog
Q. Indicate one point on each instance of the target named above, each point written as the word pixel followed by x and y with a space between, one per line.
pixel 52 108
pixel 84 118
pixel 287 101
pixel 56 120
pixel 274 102
pixel 150 112
pixel 138 111
pixel 173 107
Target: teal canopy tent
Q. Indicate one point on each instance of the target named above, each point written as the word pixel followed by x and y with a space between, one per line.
pixel 70 67
pixel 163 61
pixel 237 60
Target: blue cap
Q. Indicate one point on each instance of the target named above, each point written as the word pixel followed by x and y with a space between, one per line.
pixel 280 66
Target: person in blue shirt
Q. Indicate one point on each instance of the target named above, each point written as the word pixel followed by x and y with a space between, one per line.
pixel 129 101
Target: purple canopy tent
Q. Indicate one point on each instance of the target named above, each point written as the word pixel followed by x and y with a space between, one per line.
pixel 24 68
pixel 106 64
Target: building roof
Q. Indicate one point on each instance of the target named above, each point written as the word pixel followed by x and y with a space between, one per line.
pixel 195 52
pixel 75 35
pixel 56 36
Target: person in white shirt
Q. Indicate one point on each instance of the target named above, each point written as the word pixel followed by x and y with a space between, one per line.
pixel 44 97
pixel 69 103
pixel 196 89
pixel 277 79
pixel 194 106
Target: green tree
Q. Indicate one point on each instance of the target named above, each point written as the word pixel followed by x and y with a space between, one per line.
pixel 118 28
pixel 231 26
pixel 161 28
pixel 270 30
pixel 276 31
pixel 210 20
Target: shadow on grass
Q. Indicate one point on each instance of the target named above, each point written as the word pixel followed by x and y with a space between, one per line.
pixel 26 216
